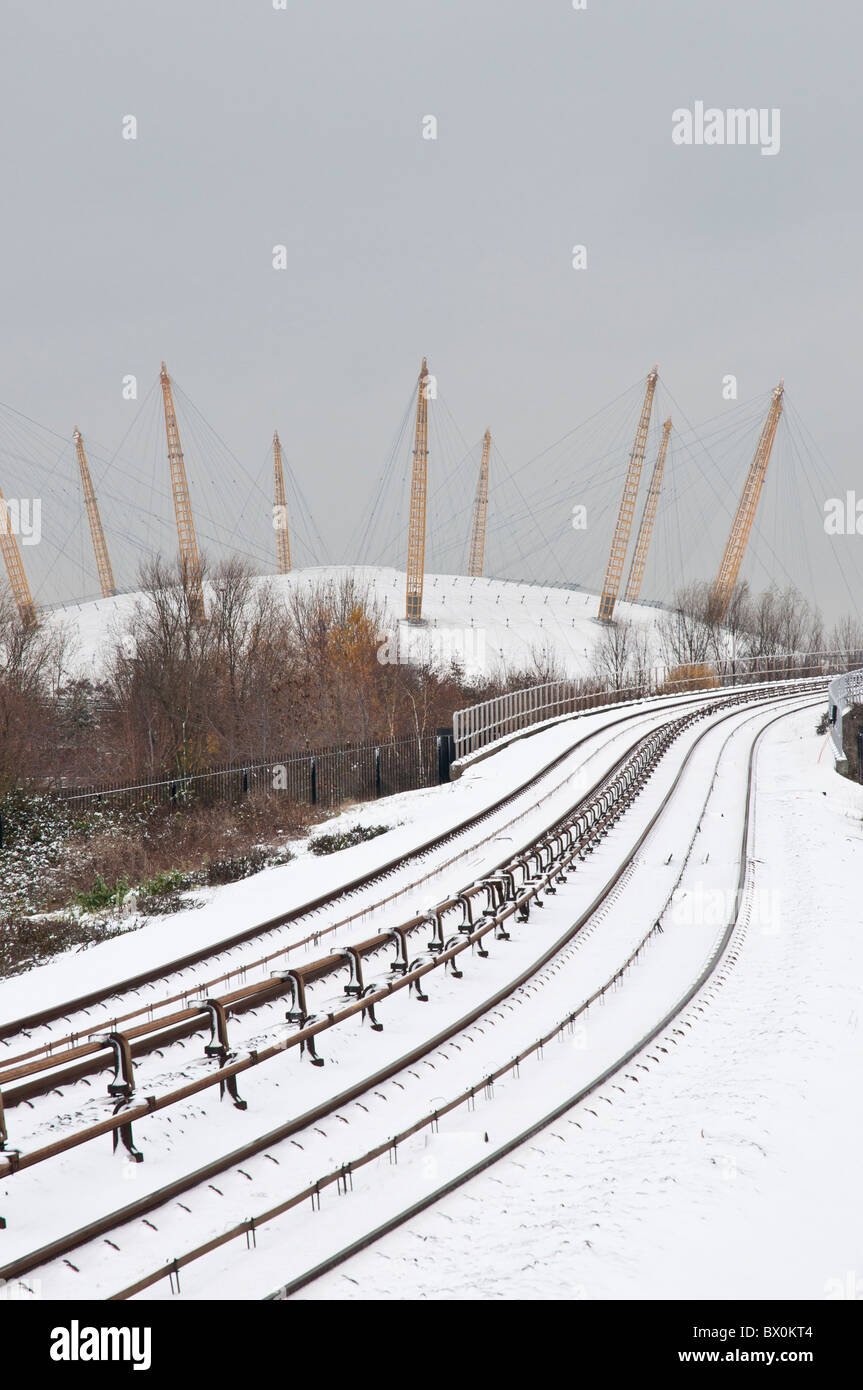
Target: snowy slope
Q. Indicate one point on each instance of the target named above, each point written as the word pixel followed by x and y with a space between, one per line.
pixel 486 622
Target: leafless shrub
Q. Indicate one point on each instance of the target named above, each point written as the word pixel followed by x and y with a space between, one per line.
pixel 31 662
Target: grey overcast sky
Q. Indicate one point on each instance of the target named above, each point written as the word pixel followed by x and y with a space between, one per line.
pixel 258 126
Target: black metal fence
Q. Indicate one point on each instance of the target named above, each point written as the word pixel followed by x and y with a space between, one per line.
pixel 318 776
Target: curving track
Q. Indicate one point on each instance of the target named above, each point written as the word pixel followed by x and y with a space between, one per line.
pixel 485 910
pixel 659 1035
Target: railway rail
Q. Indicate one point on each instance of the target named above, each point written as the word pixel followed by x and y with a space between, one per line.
pixel 514 1142
pixel 342 1176
pixel 51 1014
pixel 40 1072
pixel 92 1048
pixel 505 893
pixel 111 1021
pixel 486 911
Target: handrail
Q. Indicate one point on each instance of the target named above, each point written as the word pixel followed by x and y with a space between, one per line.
pixel 843 691
pixel 477 726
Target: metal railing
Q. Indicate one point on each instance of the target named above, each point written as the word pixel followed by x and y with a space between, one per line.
pixel 843 692
pixel 323 776
pixel 477 726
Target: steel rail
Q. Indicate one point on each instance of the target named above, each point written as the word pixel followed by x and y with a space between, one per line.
pixel 43 1057
pixel 12 1161
pixel 55 1068
pixel 149 1202
pixel 53 1012
pixel 214 951
pixel 342 1175
pixel 503 1150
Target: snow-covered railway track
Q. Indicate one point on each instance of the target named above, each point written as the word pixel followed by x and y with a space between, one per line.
pixel 538 878
pixel 504 897
pixel 58 1061
pixel 43 1071
pixel 659 1037
pixel 179 977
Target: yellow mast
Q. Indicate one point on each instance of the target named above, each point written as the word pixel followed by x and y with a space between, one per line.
pixel 280 511
pixel 741 526
pixel 100 546
pixel 190 563
pixel 417 526
pixel 620 540
pixel 15 569
pixel 648 516
pixel 480 510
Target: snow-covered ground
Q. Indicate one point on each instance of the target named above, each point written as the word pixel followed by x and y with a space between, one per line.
pixel 486 623
pixel 722 1166
pixel 619 1180
pixel 414 818
pixel 38 1194
pixel 732 1169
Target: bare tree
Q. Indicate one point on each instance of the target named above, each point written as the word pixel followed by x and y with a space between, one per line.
pixel 544 664
pixel 846 638
pixel 686 636
pixel 730 639
pixel 613 653
pixel 31 663
pixel 641 660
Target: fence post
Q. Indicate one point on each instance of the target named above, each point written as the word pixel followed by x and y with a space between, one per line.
pixel 313 770
pixel 377 771
pixel 445 754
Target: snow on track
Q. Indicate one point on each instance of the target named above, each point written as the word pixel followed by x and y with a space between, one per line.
pixel 674 959
pixel 415 816
pixel 40 1192
pixel 118 1265
pixel 729 1169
